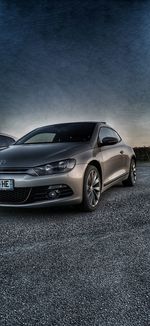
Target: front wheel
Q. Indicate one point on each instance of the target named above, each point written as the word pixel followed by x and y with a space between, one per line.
pixel 91 189
pixel 130 182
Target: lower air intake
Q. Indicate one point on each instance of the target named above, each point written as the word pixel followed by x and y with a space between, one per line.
pixel 17 196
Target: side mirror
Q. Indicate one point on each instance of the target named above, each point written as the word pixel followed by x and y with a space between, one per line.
pixel 106 141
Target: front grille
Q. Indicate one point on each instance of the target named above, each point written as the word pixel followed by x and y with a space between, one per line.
pixel 17 196
pixel 35 194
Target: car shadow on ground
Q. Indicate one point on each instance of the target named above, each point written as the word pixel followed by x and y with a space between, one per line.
pixel 43 212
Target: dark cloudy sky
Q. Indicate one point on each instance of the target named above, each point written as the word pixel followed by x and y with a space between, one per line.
pixel 64 60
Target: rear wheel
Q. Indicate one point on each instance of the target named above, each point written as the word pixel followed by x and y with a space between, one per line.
pixel 130 182
pixel 91 189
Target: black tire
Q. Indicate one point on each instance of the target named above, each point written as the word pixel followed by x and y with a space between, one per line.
pixel 91 189
pixel 130 182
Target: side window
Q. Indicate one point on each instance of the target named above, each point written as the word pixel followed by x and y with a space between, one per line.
pixel 108 132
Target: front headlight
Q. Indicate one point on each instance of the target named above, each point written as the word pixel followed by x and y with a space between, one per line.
pixel 53 168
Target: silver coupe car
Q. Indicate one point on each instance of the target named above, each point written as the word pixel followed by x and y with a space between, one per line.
pixel 69 163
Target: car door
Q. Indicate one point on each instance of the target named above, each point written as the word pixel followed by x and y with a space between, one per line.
pixel 113 164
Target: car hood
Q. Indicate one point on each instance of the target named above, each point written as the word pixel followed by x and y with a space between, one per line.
pixel 29 155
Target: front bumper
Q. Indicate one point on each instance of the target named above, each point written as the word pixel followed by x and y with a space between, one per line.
pixel 27 188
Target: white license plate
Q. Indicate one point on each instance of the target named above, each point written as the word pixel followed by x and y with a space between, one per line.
pixel 6 184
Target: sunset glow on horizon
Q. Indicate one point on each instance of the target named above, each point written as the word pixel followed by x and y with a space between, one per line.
pixel 75 61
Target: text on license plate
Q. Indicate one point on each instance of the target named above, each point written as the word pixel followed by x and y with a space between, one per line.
pixel 6 184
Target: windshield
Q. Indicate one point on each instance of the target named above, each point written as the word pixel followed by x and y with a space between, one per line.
pixel 62 133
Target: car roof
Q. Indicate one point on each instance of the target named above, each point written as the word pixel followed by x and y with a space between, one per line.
pixel 75 122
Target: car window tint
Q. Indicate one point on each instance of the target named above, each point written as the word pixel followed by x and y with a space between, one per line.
pixel 41 138
pixel 71 132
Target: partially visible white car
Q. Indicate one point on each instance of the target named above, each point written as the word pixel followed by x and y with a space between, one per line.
pixel 6 140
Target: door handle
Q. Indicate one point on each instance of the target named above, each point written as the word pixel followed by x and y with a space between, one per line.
pixel 121 152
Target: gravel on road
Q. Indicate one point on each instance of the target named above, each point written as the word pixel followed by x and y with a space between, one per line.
pixel 63 267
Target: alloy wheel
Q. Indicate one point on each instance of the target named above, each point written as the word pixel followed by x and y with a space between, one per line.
pixel 93 187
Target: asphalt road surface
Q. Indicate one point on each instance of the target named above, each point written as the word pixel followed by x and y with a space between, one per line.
pixel 61 267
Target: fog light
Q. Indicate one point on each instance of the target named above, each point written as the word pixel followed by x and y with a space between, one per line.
pixel 53 194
